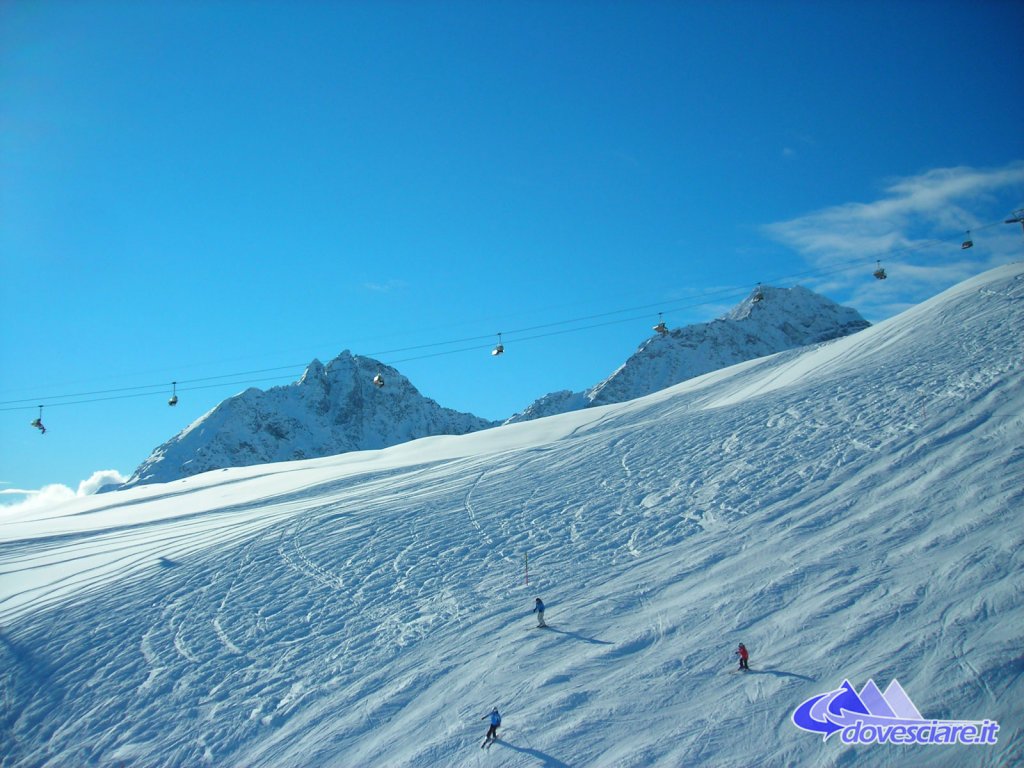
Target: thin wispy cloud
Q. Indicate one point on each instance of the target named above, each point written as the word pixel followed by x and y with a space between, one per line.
pixel 915 228
pixel 387 286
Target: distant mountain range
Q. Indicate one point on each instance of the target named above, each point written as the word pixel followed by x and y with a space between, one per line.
pixel 336 408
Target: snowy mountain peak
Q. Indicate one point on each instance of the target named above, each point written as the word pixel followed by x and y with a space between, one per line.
pixel 769 296
pixel 315 370
pixel 768 304
pixel 331 409
pixel 769 320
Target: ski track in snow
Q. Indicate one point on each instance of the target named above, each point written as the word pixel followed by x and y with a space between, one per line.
pixel 848 511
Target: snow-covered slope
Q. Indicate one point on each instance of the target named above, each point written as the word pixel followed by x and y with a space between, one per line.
pixel 780 319
pixel 331 409
pixel 849 511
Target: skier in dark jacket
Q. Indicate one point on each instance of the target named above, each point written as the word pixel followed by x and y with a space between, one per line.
pixel 742 653
pixel 538 608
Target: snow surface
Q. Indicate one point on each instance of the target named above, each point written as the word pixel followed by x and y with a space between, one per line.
pixel 849 511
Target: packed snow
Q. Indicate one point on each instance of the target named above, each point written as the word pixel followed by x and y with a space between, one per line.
pixel 849 511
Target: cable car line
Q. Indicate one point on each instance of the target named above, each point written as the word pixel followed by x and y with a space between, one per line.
pixel 136 391
pixel 236 379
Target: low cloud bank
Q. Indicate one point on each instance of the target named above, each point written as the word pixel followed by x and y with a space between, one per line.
pixel 50 495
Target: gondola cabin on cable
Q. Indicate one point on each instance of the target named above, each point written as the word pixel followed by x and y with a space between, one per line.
pixel 1017 218
pixel 968 242
pixel 499 349
pixel 661 327
pixel 879 272
pixel 174 394
pixel 378 380
pixel 37 422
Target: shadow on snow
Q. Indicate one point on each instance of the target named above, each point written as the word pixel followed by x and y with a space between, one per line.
pixel 577 636
pixel 546 760
pixel 781 673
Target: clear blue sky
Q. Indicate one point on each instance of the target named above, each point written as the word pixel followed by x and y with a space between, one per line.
pixel 194 189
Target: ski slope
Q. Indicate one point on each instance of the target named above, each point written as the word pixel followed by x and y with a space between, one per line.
pixel 848 511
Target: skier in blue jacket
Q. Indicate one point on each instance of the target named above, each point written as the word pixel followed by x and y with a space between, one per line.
pixel 492 732
pixel 538 608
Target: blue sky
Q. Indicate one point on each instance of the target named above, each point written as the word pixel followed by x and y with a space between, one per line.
pixel 198 189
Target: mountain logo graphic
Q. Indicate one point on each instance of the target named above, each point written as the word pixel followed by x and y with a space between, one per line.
pixel 874 717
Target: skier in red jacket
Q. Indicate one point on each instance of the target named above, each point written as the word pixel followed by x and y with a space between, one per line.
pixel 742 653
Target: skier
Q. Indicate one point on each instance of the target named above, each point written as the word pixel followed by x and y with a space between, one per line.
pixel 742 653
pixel 38 424
pixel 538 608
pixel 492 732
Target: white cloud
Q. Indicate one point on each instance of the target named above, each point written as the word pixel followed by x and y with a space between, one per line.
pixel 914 228
pixel 99 479
pixel 45 497
pixel 933 201
pixel 56 493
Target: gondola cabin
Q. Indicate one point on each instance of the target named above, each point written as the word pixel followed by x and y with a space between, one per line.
pixel 37 422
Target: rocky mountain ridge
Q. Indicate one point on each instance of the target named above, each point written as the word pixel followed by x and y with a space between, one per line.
pixel 770 320
pixel 336 408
